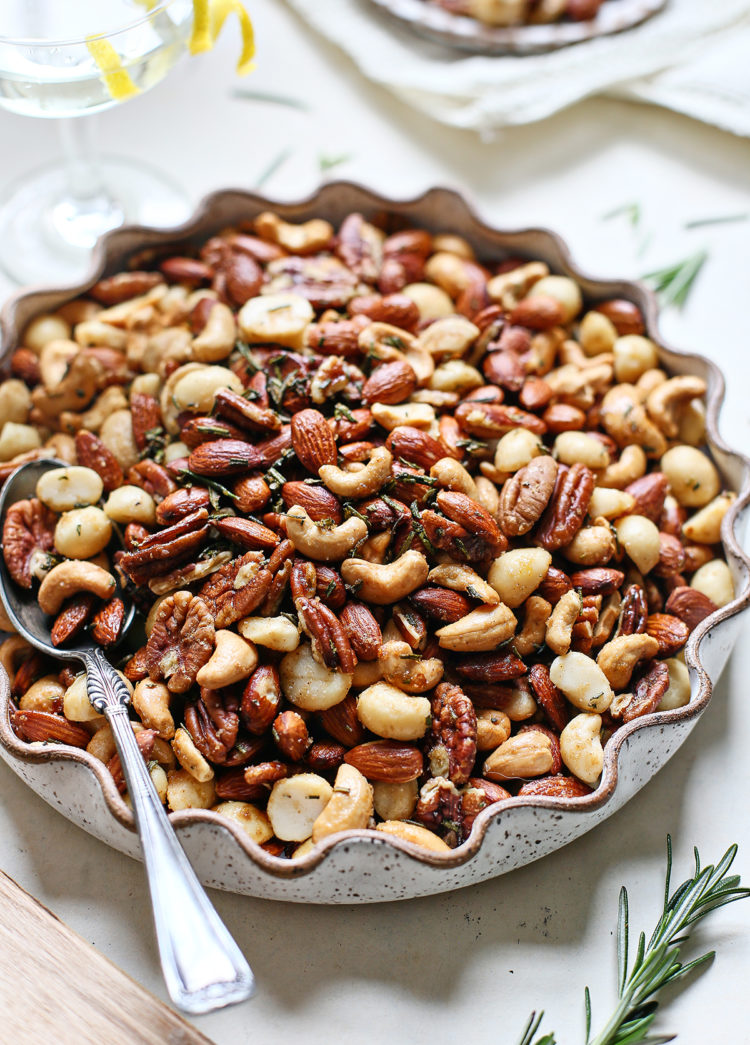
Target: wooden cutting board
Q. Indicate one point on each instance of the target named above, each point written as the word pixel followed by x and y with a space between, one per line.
pixel 55 987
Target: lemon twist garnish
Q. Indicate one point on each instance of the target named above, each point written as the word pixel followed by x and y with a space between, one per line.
pixel 118 80
pixel 209 17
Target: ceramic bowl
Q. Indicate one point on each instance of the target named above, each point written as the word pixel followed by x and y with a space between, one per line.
pixel 368 866
pixel 468 34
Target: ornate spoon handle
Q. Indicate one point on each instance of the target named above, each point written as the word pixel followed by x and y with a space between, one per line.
pixel 203 967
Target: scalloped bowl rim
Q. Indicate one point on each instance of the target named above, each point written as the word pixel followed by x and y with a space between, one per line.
pixel 700 696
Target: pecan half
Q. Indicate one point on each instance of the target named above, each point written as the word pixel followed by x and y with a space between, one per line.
pixel 451 745
pixel 28 529
pixel 213 723
pixel 526 494
pixel 439 807
pixel 633 612
pixel 237 589
pixel 567 507
pixel 648 692
pixel 181 640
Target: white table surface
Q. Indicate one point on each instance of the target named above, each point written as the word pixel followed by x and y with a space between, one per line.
pixel 470 964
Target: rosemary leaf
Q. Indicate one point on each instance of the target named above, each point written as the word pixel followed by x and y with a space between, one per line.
pixel 327 163
pixel 631 211
pixel 268 172
pixel 721 219
pixel 675 282
pixel 271 98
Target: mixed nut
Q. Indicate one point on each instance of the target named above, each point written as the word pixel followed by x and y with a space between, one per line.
pixel 409 533
pixel 522 12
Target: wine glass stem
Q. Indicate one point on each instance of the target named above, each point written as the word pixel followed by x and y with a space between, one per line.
pixel 81 157
pixel 86 209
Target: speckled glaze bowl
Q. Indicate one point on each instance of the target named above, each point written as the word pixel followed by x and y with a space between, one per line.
pixel 369 866
pixel 459 31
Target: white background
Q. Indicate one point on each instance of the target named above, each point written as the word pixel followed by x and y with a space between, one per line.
pixel 472 964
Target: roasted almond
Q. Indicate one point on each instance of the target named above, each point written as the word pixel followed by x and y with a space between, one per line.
pixel 362 629
pixel 44 726
pixel 386 760
pixel 554 787
pixel 318 502
pixel 690 605
pixel 441 604
pixel 599 580
pixel 414 446
pixel 224 457
pixel 649 492
pixel 669 631
pixel 312 440
pixel 341 722
pixel 538 313
pixel 489 420
pixel 389 383
pixel 624 316
pixel 92 453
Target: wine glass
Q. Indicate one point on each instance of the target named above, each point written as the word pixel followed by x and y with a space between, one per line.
pixel 65 61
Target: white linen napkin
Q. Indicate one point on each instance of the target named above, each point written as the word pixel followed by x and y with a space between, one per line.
pixel 691 57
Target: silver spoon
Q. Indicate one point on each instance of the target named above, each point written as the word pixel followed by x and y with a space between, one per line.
pixel 203 967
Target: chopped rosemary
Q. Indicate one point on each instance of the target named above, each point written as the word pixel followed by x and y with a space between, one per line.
pixel 341 410
pixel 268 172
pixel 631 211
pixel 189 478
pixel 271 98
pixel 721 219
pixel 675 282
pixel 327 163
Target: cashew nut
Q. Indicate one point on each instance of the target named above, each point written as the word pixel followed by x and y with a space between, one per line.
pixel 354 485
pixel 523 756
pixel 278 318
pixel 304 238
pixel 398 666
pixel 323 545
pixel 232 660
pixel 559 631
pixel 386 583
pixel 482 629
pixel 190 758
pixel 431 301
pixel 414 834
pixel 151 703
pixel 276 633
pixel 389 712
pixel 625 419
pixel 111 399
pixel 218 337
pixel 390 416
pixel 581 748
pixel 618 658
pixel 349 807
pixel 493 729
pixel 508 288
pixel 449 337
pixel 68 578
pixel 463 578
pixel 665 402
pixel 609 503
pixel 630 466
pixel 452 475
pixel 11 651
pixel 456 375
pixel 537 612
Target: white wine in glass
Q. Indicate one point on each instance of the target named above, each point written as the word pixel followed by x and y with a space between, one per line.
pixel 65 61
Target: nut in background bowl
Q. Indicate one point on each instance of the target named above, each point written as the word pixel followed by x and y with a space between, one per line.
pixel 370 866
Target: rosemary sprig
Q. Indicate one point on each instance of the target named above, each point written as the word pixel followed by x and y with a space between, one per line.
pixel 327 163
pixel 268 172
pixel 721 219
pixel 631 211
pixel 675 282
pixel 271 98
pixel 657 963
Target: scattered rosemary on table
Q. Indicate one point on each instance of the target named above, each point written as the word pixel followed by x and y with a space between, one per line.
pixel 271 98
pixel 327 163
pixel 674 283
pixel 631 211
pixel 657 963
pixel 269 171
pixel 720 219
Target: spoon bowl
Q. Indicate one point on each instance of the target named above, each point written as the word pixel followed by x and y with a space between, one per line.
pixel 203 967
pixel 21 604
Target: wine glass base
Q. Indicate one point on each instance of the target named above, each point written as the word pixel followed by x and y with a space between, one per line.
pixel 47 233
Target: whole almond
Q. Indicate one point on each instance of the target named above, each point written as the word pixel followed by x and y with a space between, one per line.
pixel 389 383
pixel 363 630
pixel 669 631
pixel 318 502
pixel 386 760
pixel 441 604
pixel 624 316
pixel 538 313
pixel 489 420
pixel 415 446
pixel 224 457
pixel 342 724
pixel 690 605
pixel 649 492
pixel 312 440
